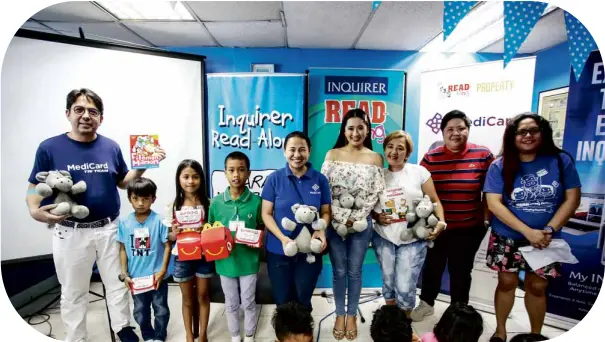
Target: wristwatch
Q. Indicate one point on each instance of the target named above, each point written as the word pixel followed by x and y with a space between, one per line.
pixel 548 229
pixel 123 277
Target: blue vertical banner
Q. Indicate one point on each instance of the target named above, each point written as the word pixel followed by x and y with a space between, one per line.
pixel 251 113
pixel 580 43
pixel 572 295
pixel 520 17
pixel 333 92
pixel 453 13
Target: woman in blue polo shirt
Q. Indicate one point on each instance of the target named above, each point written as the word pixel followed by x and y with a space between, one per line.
pixel 293 278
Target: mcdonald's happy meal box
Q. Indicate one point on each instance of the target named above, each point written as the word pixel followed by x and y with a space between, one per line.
pixel 216 241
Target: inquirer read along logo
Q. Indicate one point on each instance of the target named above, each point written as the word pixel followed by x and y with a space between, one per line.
pixel 462 89
pixel 377 111
pixel 358 85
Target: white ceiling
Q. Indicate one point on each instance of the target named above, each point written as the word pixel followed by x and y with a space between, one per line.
pixel 333 25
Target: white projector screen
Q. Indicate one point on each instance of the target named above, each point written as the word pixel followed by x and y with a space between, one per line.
pixel 143 93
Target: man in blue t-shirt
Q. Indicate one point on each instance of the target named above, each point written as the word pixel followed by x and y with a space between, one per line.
pixel 79 243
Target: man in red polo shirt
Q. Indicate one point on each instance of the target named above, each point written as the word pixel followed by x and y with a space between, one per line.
pixel 458 170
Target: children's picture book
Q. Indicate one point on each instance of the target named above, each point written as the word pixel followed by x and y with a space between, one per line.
pixel 395 204
pixel 143 151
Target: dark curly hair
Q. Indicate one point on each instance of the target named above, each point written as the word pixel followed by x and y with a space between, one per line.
pixel 292 319
pixel 459 323
pixel 391 324
pixel 529 338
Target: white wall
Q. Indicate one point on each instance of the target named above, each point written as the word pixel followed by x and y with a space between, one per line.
pixel 143 94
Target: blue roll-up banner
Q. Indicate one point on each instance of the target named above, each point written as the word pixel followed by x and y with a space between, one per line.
pixel 251 113
pixel 571 296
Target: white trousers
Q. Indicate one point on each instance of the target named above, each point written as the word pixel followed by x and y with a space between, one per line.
pixel 75 252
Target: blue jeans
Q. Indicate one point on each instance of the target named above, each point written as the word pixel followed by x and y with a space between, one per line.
pixel 401 266
pixel 142 312
pixel 293 279
pixel 186 270
pixel 347 259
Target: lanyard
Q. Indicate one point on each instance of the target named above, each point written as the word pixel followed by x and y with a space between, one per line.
pixel 297 191
pixel 236 214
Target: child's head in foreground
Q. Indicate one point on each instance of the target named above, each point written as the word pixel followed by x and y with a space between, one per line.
pixel 293 323
pixel 459 323
pixel 391 324
pixel 529 338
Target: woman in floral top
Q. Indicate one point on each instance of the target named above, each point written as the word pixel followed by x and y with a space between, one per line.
pixel 356 179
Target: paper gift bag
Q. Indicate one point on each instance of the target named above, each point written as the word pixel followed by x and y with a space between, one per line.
pixel 189 218
pixel 142 284
pixel 249 237
pixel 217 241
pixel 189 246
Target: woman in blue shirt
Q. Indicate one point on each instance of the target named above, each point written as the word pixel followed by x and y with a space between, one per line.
pixel 293 278
pixel 532 189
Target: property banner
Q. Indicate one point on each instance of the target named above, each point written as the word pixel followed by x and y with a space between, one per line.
pixel 486 92
pixel 252 113
pixel 489 95
pixel 333 92
pixel 572 295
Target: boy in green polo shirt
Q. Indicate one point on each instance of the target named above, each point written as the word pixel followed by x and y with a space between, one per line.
pixel 238 206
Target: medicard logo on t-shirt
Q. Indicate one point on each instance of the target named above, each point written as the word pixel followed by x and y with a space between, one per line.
pixel 89 167
pixel 533 196
pixel 315 191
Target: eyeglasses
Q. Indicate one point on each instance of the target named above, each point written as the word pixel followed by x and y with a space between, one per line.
pixel 531 131
pixel 93 112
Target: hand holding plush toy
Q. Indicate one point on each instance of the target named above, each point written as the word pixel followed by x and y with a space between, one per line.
pixel 421 220
pixel 344 199
pixel 60 183
pixel 304 242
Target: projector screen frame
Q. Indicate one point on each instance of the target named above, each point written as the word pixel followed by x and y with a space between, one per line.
pixel 44 36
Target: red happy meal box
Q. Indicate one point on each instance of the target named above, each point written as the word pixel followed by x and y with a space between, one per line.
pixel 188 242
pixel 189 246
pixel 217 241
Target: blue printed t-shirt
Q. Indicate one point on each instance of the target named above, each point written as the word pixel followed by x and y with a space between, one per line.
pixel 280 190
pixel 537 191
pixel 99 163
pixel 145 254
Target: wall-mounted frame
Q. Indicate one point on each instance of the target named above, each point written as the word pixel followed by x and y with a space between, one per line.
pixel 263 68
pixel 552 106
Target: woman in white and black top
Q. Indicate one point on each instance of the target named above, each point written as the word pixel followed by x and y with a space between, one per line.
pixel 401 261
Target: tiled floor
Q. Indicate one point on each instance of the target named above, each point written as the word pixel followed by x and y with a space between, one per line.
pixel 98 327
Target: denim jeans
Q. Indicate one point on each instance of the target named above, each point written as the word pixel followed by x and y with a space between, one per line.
pixel 401 266
pixel 293 278
pixel 142 312
pixel 347 259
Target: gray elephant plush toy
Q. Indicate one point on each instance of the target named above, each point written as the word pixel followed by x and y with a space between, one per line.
pixel 304 243
pixel 421 220
pixel 61 184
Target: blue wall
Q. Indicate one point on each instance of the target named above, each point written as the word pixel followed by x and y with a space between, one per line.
pixel 552 69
